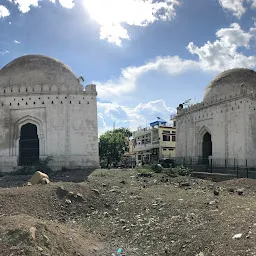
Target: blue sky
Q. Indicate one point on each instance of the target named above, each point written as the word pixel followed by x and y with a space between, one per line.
pixel 145 57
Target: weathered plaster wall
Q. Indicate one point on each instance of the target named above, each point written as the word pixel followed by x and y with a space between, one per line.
pixel 45 92
pixel 227 124
pixel 67 126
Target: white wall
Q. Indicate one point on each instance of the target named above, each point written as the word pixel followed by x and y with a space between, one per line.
pixel 226 121
pixel 67 131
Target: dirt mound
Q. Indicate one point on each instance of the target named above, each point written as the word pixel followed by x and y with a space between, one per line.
pixel 239 183
pixel 113 209
pixel 25 235
pixel 43 201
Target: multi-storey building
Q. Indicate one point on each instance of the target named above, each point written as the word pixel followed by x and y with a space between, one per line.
pixel 156 142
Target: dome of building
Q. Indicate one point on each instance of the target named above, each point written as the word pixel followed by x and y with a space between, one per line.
pixel 31 70
pixel 230 82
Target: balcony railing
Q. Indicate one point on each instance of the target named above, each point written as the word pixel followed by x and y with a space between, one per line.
pixel 147 146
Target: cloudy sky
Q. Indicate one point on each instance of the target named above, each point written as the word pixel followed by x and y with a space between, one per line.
pixel 145 56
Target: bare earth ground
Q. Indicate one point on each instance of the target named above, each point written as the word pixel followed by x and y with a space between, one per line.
pixel 142 215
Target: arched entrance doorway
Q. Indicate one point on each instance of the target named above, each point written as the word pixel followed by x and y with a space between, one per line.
pixel 207 147
pixel 28 145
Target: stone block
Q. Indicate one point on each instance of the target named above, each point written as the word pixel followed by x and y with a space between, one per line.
pixel 38 177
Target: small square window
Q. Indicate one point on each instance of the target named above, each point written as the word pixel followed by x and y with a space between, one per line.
pixel 166 138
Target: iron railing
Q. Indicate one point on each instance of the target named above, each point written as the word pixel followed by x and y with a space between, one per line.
pixel 240 168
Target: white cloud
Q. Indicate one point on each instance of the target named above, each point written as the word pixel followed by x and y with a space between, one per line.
pixel 25 5
pixel 114 33
pixel 16 42
pixel 4 52
pixel 113 14
pixel 101 123
pixel 254 4
pixel 67 3
pixel 122 116
pixel 223 53
pixel 4 12
pixel 234 36
pixel 126 83
pixel 234 6
pixel 237 7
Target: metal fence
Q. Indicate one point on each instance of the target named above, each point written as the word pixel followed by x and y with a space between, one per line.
pixel 240 168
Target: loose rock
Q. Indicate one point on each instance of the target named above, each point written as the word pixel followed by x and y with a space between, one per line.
pixel 216 192
pixel 38 177
pixel 68 201
pixel 96 191
pixel 237 236
pixel 240 192
pixel 45 181
pixel 184 184
pixel 33 233
pixel 79 197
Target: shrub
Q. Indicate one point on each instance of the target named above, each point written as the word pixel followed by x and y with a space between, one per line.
pixel 182 170
pixel 156 168
pixel 144 172
pixel 41 165
pixel 171 172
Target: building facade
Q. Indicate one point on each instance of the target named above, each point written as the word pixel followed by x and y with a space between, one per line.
pixel 155 143
pixel 223 125
pixel 45 111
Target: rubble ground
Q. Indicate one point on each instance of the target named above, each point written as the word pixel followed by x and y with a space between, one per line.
pixel 112 209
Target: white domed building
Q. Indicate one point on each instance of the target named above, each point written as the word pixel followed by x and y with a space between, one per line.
pixel 223 125
pixel 45 111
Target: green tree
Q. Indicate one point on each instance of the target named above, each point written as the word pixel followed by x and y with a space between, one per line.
pixel 113 145
pixel 127 133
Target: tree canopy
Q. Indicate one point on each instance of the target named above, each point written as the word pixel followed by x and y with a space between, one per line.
pixel 113 145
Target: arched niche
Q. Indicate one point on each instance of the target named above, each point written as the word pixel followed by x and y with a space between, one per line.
pixel 41 131
pixel 204 142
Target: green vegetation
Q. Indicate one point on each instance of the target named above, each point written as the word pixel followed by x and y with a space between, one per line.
pixel 41 165
pixel 178 171
pixel 156 168
pixel 113 145
pixel 144 172
pixel 172 172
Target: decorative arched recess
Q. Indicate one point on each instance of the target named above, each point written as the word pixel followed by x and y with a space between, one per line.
pixel 199 140
pixel 41 130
